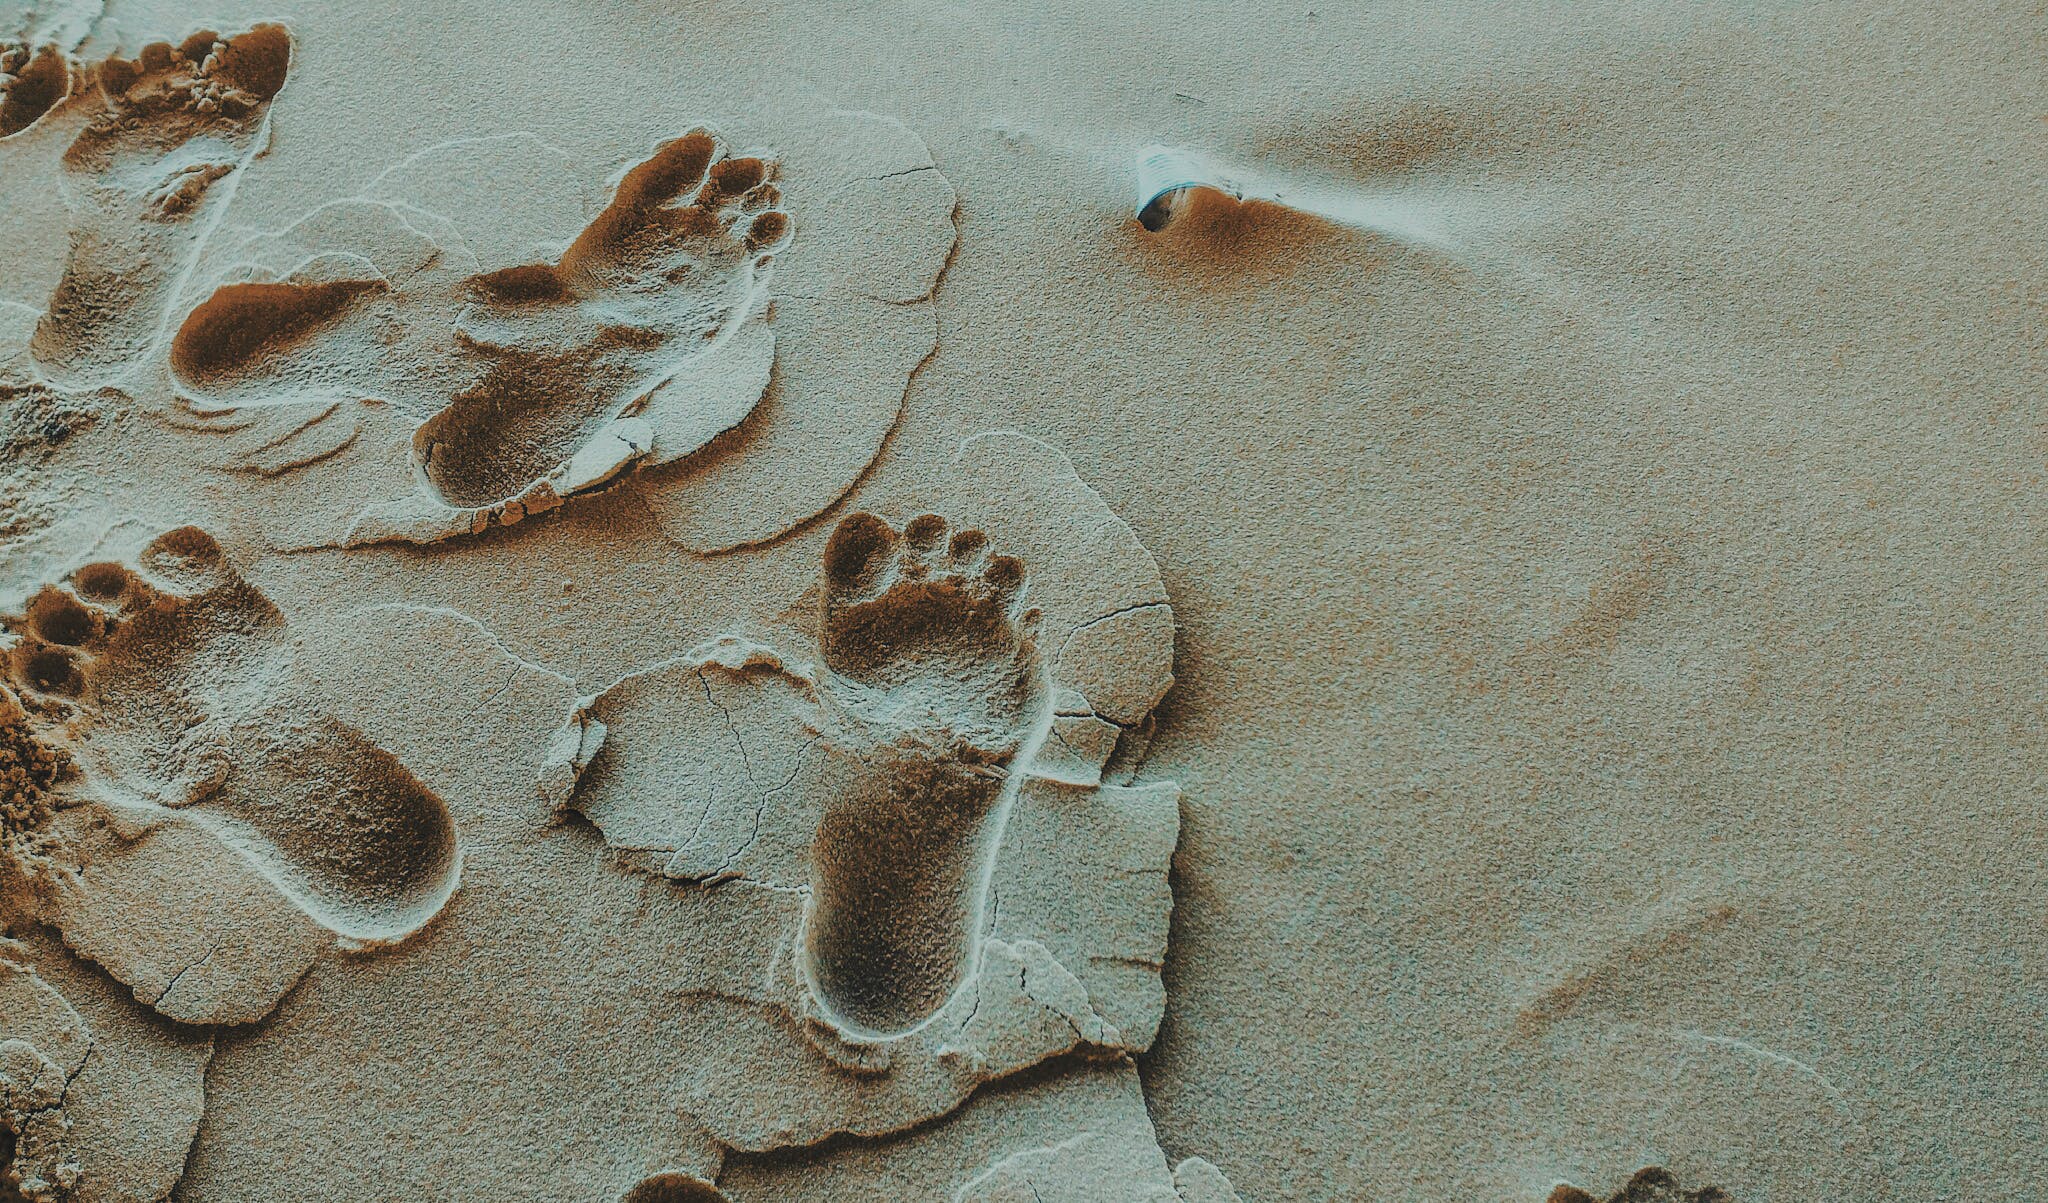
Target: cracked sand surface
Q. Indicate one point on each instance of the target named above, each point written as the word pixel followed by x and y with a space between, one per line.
pixel 112 1111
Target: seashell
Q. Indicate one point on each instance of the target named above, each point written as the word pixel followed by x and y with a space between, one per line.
pixel 1166 175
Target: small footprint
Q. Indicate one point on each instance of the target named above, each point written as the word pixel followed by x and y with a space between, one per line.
pixel 560 350
pixel 929 654
pixel 325 324
pixel 251 330
pixel 152 676
pixel 144 182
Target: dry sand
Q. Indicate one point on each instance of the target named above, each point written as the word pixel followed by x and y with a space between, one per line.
pixel 632 602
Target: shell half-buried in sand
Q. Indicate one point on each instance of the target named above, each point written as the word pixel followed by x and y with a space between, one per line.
pixel 1166 175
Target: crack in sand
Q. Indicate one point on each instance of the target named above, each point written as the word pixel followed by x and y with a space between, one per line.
pixel 465 620
pixel 165 993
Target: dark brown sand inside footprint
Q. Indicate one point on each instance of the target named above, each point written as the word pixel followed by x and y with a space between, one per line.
pixel 248 331
pixel 40 78
pixel 145 656
pixel 674 1188
pixel 341 825
pixel 930 655
pixel 1652 1185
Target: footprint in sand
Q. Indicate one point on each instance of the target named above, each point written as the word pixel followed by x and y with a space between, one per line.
pixel 562 350
pixel 929 657
pixel 145 182
pixel 454 357
pixel 152 676
pixel 926 840
pixel 533 382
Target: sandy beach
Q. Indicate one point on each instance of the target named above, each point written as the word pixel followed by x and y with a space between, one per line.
pixel 1023 603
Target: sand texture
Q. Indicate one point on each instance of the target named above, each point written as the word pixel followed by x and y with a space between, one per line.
pixel 1023 603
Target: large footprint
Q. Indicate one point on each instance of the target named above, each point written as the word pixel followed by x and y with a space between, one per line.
pixel 847 812
pixel 152 674
pixel 146 182
pixel 930 659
